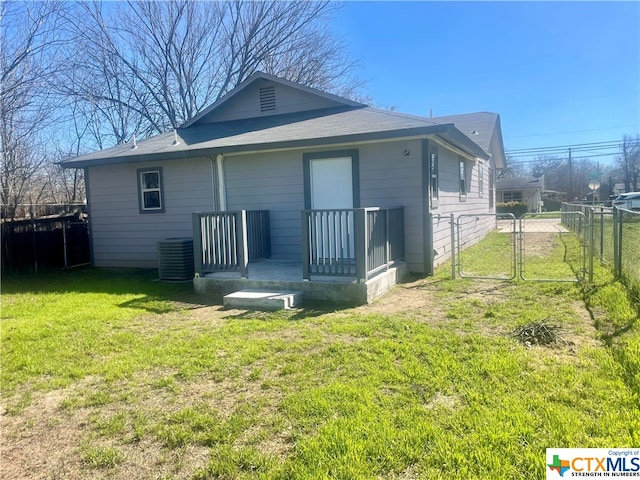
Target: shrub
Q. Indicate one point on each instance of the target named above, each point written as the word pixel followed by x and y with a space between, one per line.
pixel 552 205
pixel 517 208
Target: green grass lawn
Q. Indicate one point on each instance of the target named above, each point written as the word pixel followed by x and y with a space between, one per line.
pixel 630 256
pixel 110 374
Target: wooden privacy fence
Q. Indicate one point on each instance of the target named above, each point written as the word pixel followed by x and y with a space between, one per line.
pixel 229 240
pixel 357 242
pixel 44 243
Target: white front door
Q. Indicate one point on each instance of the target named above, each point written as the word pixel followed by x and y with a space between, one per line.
pixel 331 186
pixel 331 183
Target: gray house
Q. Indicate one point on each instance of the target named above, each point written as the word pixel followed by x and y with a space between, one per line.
pixel 328 186
pixel 527 190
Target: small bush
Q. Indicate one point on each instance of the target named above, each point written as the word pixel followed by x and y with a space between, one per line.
pixel 552 205
pixel 517 208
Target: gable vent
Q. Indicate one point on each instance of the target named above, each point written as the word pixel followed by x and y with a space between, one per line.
pixel 268 99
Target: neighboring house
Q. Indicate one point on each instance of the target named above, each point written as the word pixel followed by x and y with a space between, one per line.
pixel 526 190
pixel 274 145
pixel 619 189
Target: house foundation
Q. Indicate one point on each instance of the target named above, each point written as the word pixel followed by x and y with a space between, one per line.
pixel 270 275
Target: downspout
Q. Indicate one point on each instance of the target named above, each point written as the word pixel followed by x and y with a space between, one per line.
pixel 222 191
pixel 219 197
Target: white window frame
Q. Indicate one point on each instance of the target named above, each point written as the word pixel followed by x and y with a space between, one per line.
pixel 463 185
pixel 434 180
pixel 508 196
pixel 142 189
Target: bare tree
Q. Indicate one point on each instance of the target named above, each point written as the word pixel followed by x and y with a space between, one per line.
pixel 629 162
pixel 146 67
pixel 28 59
pixel 80 76
pixel 512 168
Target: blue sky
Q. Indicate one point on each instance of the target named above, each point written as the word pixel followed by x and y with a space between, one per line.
pixel 558 73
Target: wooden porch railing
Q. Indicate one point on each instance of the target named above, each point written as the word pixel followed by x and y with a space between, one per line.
pixel 229 240
pixel 351 242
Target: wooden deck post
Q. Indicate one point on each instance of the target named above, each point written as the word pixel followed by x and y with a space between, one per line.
pixel 306 252
pixel 197 244
pixel 242 244
pixel 360 234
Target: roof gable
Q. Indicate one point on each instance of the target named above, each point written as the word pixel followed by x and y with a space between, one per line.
pixel 484 129
pixel 266 95
pixel 254 117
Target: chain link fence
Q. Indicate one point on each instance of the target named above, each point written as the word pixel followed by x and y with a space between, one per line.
pixel 614 238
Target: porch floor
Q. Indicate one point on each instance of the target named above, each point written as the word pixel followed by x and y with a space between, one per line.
pixel 278 270
pixel 287 275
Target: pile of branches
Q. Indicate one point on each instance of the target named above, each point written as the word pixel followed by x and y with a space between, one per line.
pixel 539 333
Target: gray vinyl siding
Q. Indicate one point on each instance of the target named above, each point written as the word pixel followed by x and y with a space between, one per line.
pixel 274 182
pixel 390 175
pixel 389 178
pixel 247 103
pixel 122 236
pixel 479 224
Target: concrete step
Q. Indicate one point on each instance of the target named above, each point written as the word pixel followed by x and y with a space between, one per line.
pixel 262 299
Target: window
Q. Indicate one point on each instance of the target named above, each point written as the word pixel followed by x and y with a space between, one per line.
pixel 491 188
pixel 150 190
pixel 433 180
pixel 511 197
pixel 463 178
pixel 480 180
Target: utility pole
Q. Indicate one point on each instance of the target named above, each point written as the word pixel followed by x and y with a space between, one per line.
pixel 571 196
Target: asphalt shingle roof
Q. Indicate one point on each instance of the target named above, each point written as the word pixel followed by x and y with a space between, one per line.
pixel 519 183
pixel 281 131
pixel 482 123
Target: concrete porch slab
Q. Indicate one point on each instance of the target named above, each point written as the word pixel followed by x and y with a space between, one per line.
pixel 287 276
pixel 262 300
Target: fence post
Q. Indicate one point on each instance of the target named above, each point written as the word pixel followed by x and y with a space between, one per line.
pixel 617 250
pixel 361 247
pixel 306 217
pixel 620 240
pixel 64 243
pixel 592 241
pixel 387 246
pixel 34 243
pixel 197 244
pixel 601 233
pixel 453 247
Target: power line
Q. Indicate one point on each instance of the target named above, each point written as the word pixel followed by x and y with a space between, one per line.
pixel 563 159
pixel 573 131
pixel 588 150
pixel 566 147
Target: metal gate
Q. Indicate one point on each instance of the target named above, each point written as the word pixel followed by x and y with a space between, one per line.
pixel 472 243
pixel 537 246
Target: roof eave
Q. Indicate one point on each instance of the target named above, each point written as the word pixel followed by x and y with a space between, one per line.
pixel 455 137
pixel 439 130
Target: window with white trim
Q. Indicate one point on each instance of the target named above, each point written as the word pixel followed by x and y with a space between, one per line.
pixel 480 180
pixel 511 196
pixel 491 187
pixel 463 178
pixel 434 180
pixel 150 190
